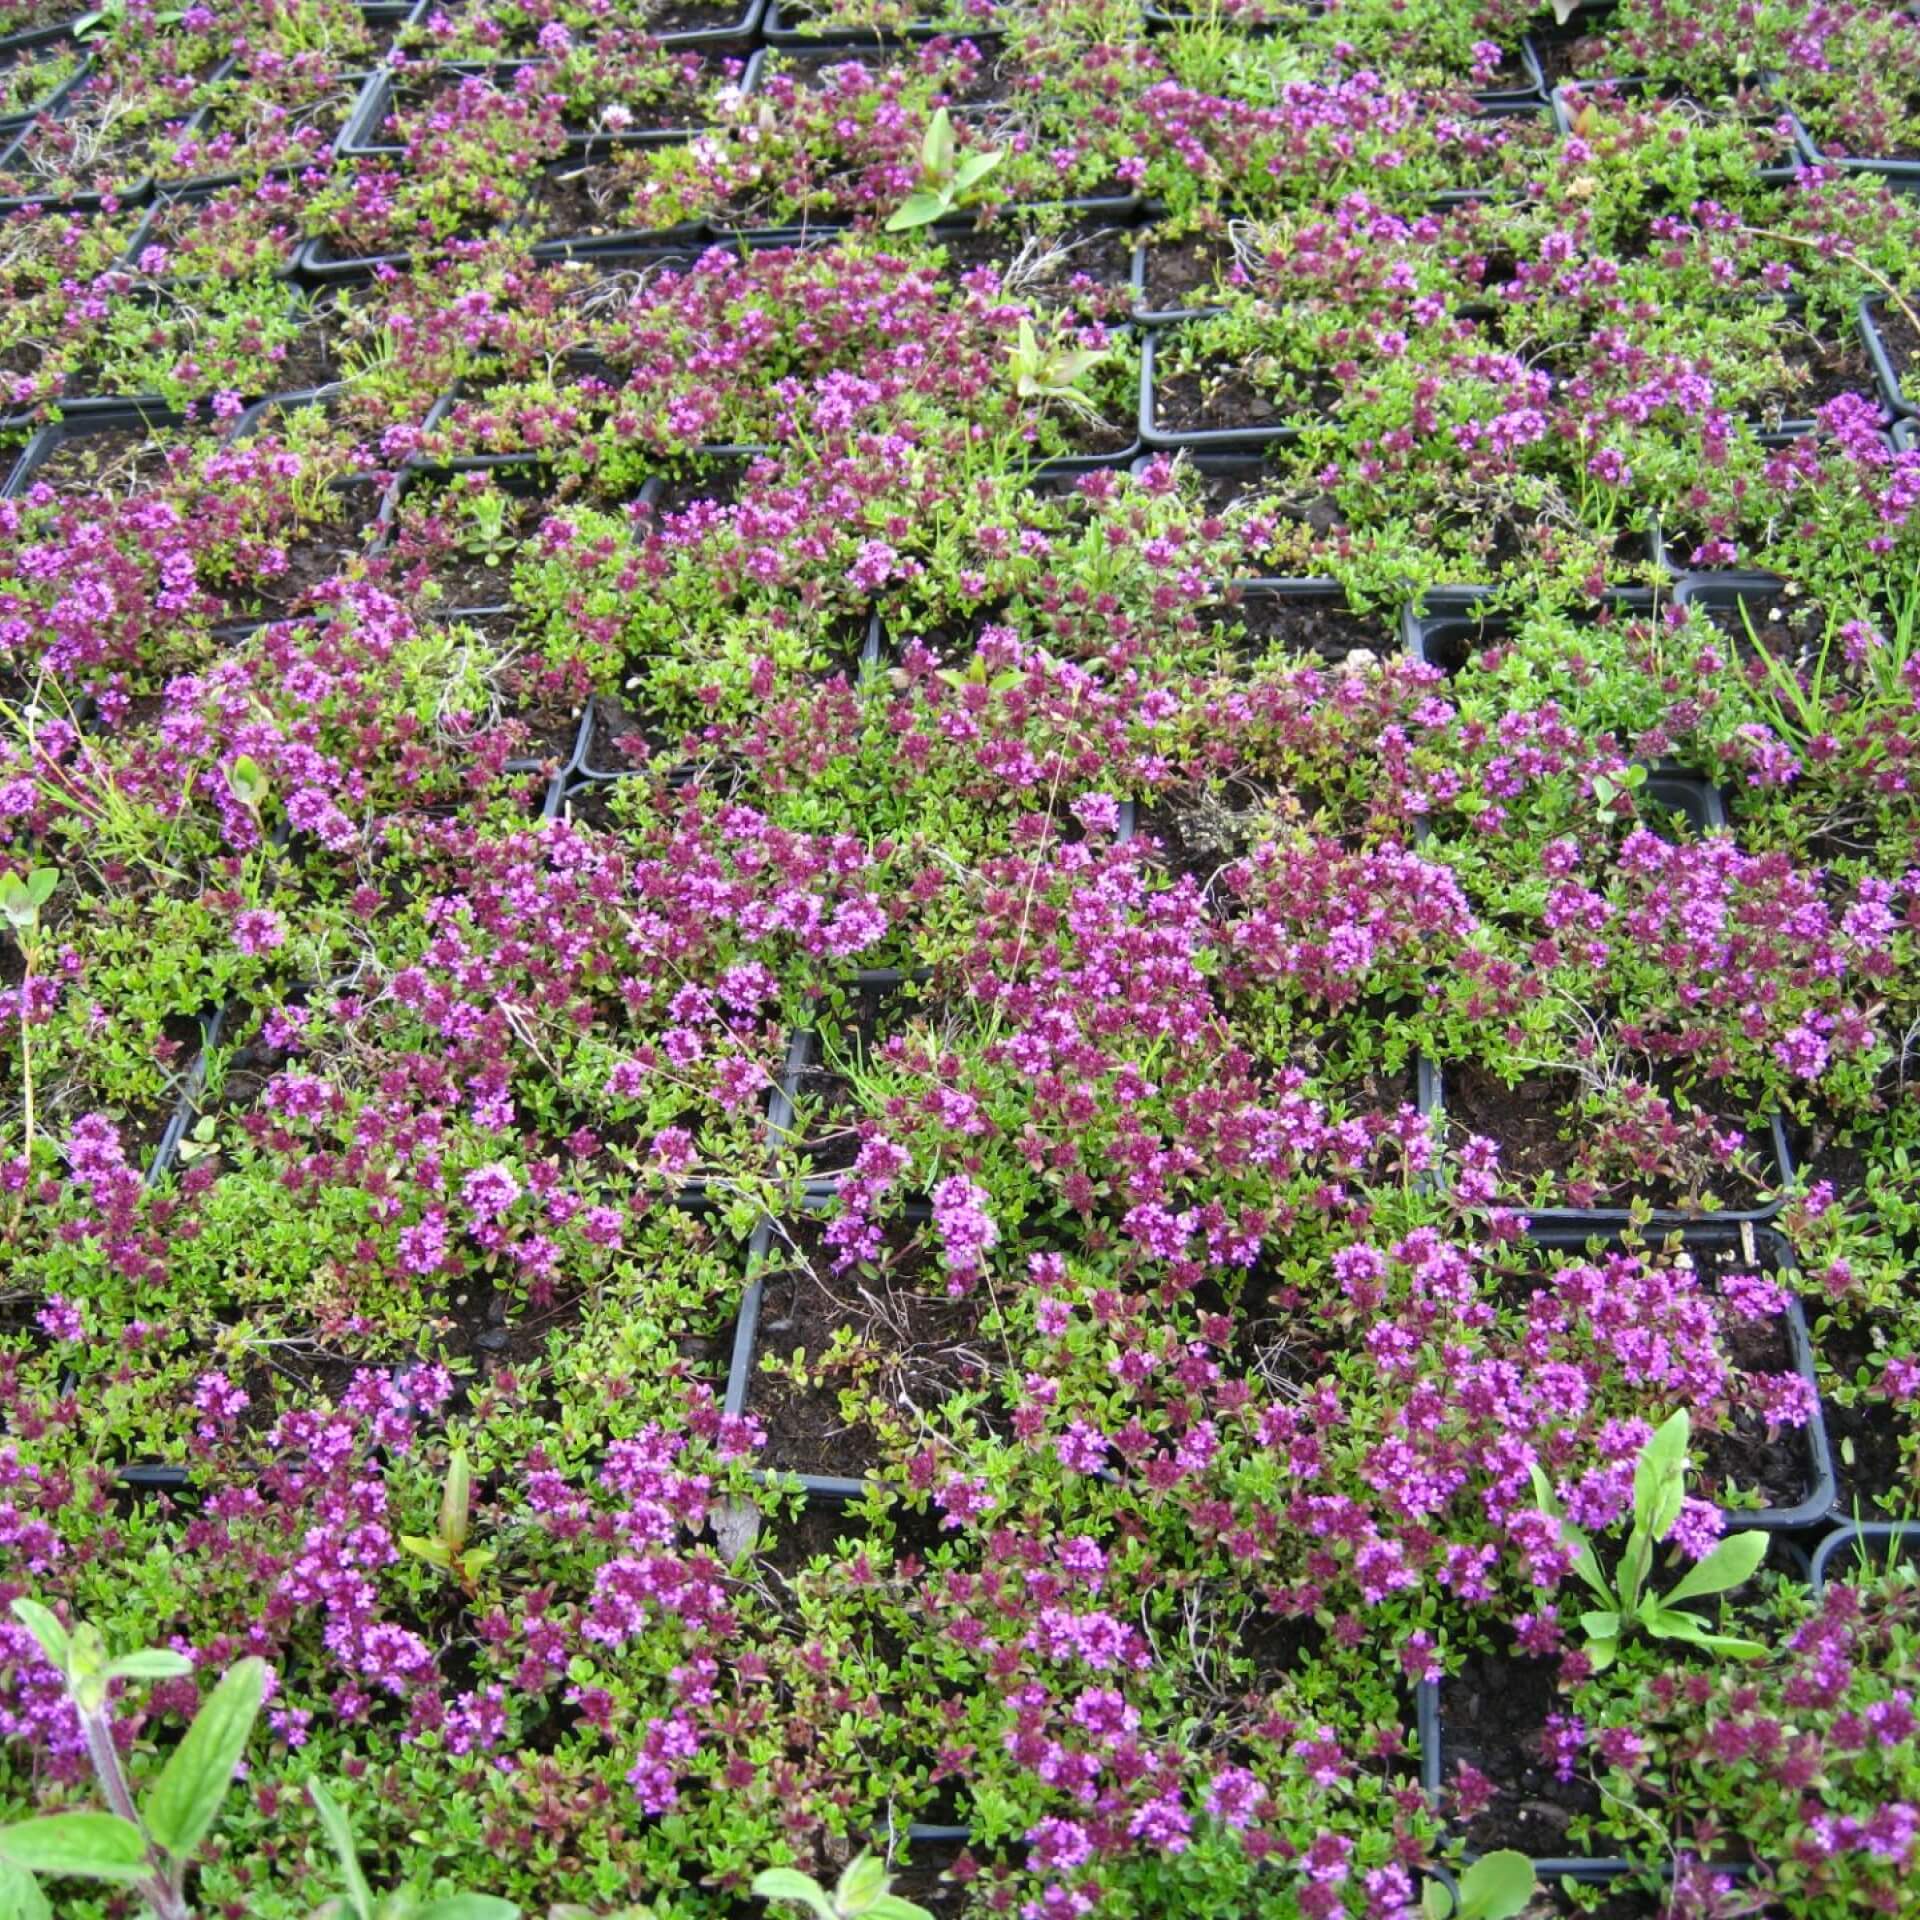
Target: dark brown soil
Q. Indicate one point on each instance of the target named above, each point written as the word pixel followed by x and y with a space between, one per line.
pixel 319 553
pixel 1182 273
pixel 1776 1466
pixel 574 201
pixel 113 460
pixel 1215 397
pixel 1867 1467
pixel 1788 625
pixel 1903 347
pixel 1527 1122
pixel 925 1343
pixel 1305 625
pixel 831 1143
pixel 1493 1715
pixel 615 723
pixel 1570 52
pixel 549 732
pixel 1831 368
pixel 1086 263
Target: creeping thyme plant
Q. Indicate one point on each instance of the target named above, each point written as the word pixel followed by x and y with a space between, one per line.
pixel 959 960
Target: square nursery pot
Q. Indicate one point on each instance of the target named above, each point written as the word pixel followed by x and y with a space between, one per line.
pixel 1150 308
pixel 145 234
pixel 828 1466
pixel 1765 1249
pixel 1893 346
pixel 1565 102
pixel 1527 1685
pixel 1309 618
pixel 1865 1547
pixel 364 136
pixel 1451 624
pixel 1770 1158
pixel 1156 433
pixel 1902 173
pixel 30 49
pixel 694 25
pixel 792 25
pixel 99 421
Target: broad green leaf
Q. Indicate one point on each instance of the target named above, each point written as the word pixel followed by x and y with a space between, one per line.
pixel 890 1906
pixel 20 1896
pixel 1600 1626
pixel 468 1906
pixel 788 1883
pixel 187 1796
pixel 333 1823
pixel 919 209
pixel 936 148
pixel 41 883
pixel 91 1846
pixel 152 1663
pixel 974 168
pixel 45 1627
pixel 1600 1654
pixel 862 1881
pixel 1497 1886
pixel 456 1500
pixel 1729 1565
pixel 1436 1903
pixel 1635 1564
pixel 1660 1476
pixel 422 1548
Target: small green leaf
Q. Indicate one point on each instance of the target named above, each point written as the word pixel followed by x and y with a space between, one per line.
pixel 187 1796
pixel 467 1906
pixel 91 1846
pixel 41 883
pixel 1731 1564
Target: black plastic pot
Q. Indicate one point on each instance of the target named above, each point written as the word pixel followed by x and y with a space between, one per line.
pixel 1886 375
pixel 1199 439
pixel 1864 1546
pixel 157 208
pixel 830 1489
pixel 1445 628
pixel 1565 101
pixel 741 31
pixel 80 420
pixel 1583 1869
pixel 186 1110
pixel 1723 1235
pixel 1901 174
pixel 49 102
pixel 788 27
pixel 363 137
